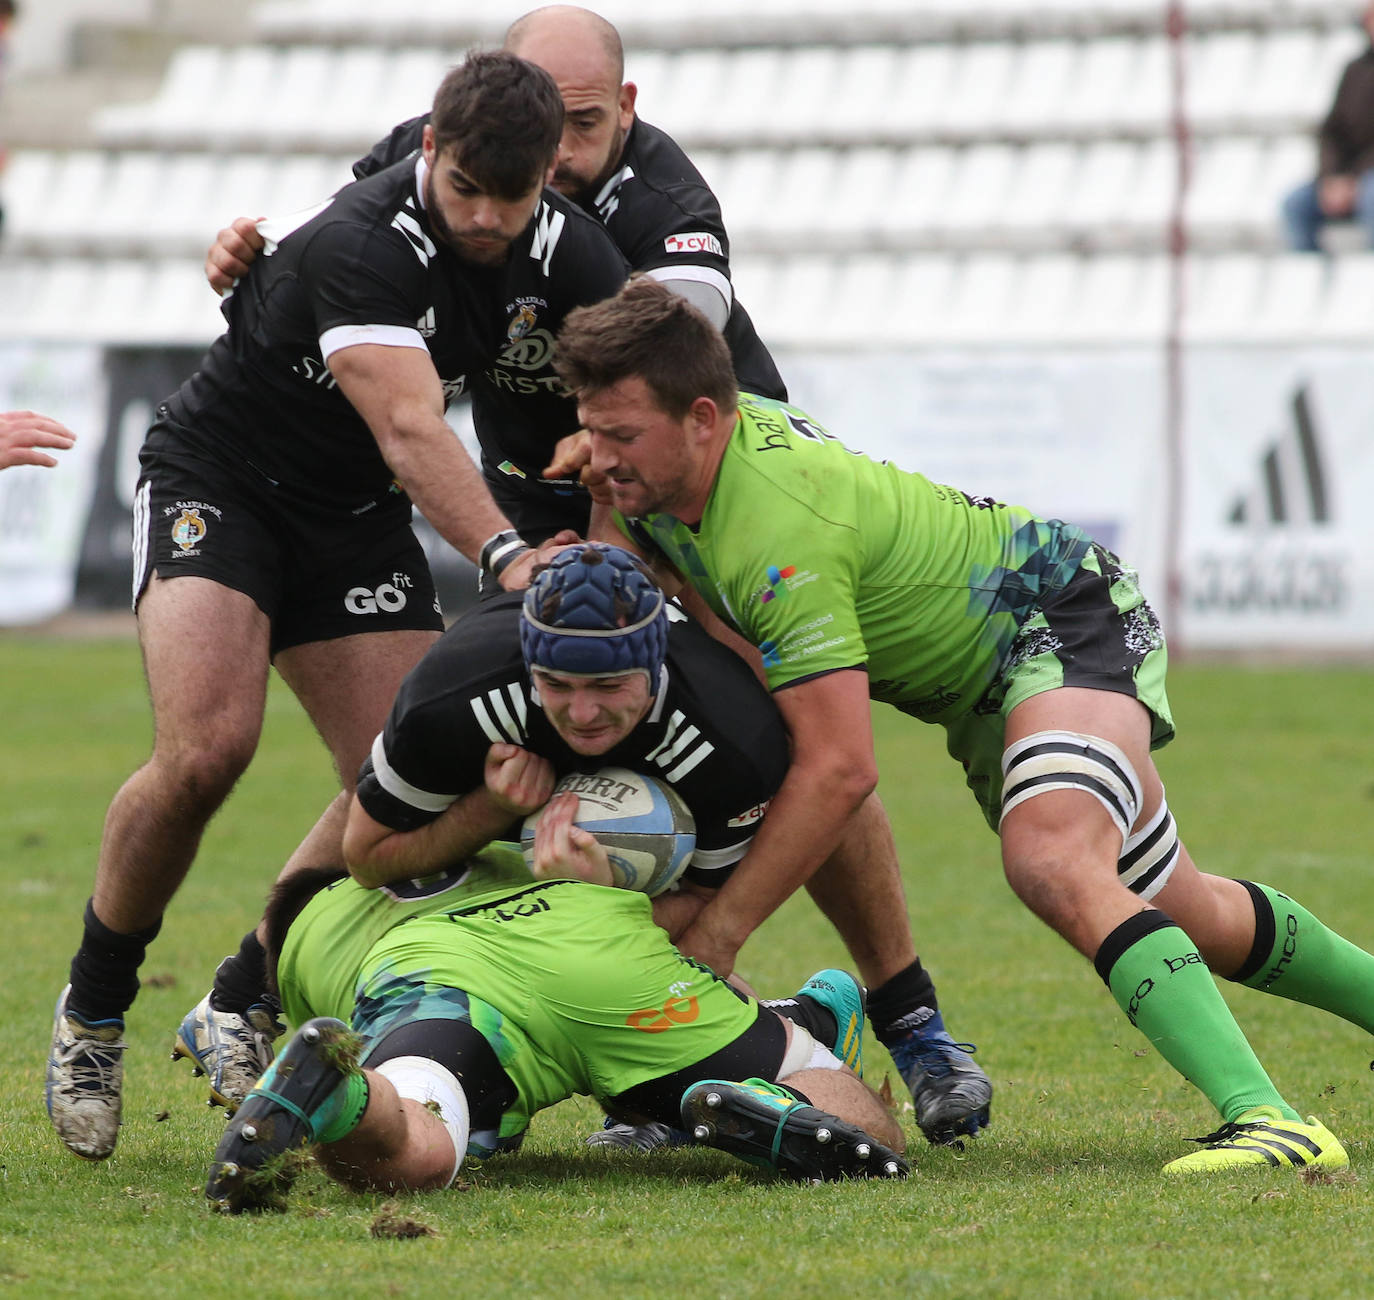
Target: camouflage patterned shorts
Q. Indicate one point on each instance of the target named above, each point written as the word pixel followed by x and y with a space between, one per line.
pixel 1098 632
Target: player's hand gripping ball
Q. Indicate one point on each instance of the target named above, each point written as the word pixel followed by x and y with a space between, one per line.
pixel 648 833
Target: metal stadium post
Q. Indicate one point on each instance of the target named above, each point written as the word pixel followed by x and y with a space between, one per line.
pixel 1176 25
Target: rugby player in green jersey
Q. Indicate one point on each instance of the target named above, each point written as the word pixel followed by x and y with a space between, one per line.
pixel 1029 643
pixel 439 1015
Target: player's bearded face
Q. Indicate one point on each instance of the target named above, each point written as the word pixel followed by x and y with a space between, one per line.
pixel 643 454
pixel 584 166
pixel 478 226
pixel 595 123
pixel 593 714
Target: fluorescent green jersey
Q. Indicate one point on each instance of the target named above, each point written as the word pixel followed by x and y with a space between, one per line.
pixel 573 985
pixel 826 559
pixel 327 948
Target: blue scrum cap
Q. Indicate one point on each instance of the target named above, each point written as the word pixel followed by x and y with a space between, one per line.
pixel 596 610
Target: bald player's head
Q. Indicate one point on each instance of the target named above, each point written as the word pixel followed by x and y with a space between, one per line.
pixel 582 52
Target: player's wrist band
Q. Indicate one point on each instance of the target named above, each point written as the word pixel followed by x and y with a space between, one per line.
pixel 498 552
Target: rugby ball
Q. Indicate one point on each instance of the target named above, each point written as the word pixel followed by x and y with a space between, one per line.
pixel 648 833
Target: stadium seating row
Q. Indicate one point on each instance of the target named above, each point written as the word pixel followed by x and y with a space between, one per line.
pixel 1104 195
pixel 782 21
pixel 867 302
pixel 318 98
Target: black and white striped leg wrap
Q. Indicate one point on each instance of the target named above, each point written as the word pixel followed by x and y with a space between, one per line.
pixel 1150 855
pixel 1069 760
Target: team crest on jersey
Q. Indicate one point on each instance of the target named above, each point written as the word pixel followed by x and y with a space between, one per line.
pixel 189 530
pixel 523 320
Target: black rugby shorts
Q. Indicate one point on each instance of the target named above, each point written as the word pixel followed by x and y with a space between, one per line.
pixel 317 571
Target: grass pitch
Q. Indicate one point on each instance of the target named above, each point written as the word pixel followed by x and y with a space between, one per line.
pixel 1271 778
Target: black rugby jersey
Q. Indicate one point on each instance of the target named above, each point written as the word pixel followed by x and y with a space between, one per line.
pixel 663 217
pixel 712 732
pixel 368 258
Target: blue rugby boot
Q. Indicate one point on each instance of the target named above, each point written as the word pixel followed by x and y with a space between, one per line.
pixel 951 1094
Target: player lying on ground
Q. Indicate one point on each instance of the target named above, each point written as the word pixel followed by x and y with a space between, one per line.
pixel 596 665
pixel 528 992
pixel 1031 645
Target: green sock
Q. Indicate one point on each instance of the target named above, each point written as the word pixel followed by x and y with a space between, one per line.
pixel 342 1111
pixel 1295 956
pixel 339 1113
pixel 1161 982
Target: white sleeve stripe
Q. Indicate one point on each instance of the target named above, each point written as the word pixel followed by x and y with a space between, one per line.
pixel 489 729
pixel 517 699
pixel 718 280
pixel 503 716
pixel 387 336
pixel 399 788
pixel 712 859
pixel 675 719
pixel 698 755
pixel 680 744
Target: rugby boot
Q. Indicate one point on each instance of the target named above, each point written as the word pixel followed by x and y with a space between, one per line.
pixel 1261 1138
pixel 617 1136
pixel 230 1049
pixel 766 1125
pixel 84 1081
pixel 843 996
pixel 951 1094
pixel 296 1098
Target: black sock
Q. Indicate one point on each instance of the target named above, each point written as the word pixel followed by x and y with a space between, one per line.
pixel 902 1003
pixel 241 980
pixel 817 1020
pixel 104 972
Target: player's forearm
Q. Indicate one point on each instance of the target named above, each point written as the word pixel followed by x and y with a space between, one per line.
pixel 377 855
pixel 804 824
pixel 441 479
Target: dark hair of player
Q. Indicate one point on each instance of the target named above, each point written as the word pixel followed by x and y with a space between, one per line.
pixel 647 330
pixel 503 118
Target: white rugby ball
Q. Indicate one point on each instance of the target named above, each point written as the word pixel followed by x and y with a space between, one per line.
pixel 648 833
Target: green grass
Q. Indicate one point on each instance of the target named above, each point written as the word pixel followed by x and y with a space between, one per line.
pixel 1271 778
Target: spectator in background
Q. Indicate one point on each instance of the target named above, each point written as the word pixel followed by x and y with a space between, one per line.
pixel 1344 187
pixel 21 432
pixel 9 11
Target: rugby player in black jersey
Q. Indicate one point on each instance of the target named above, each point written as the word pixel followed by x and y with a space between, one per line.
pixel 272 516
pixel 632 177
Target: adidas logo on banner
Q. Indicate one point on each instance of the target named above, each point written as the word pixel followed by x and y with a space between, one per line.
pixel 1292 483
pixel 1281 560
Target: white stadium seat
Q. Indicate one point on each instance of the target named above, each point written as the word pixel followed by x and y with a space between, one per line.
pixel 1290 300
pixel 1346 311
pixel 1221 78
pixel 1223 295
pixel 1033 101
pixel 1034 209
pixel 978 195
